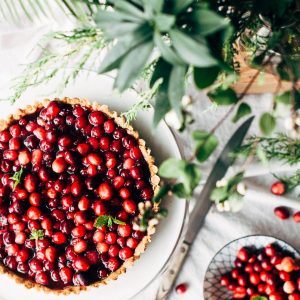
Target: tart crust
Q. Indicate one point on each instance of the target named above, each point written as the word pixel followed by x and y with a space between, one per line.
pixel 154 179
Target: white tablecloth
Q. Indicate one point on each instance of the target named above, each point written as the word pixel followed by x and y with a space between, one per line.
pixel 255 218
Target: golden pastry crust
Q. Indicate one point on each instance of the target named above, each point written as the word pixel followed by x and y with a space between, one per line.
pixel 4 124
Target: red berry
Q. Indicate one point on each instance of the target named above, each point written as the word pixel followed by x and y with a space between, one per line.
pixel 34 213
pixel 51 253
pixel 181 288
pixel 96 118
pixel 59 165
pixel 289 287
pixel 136 153
pixel 94 159
pixel 105 191
pixel 30 183
pixel 282 212
pixel 129 206
pixel 41 278
pixel 24 157
pixel 124 230
pixel 110 238
pixel 81 264
pixel 99 208
pixel 59 238
pixel 80 246
pixel 278 188
pixel 113 264
pixel 125 253
pixel 296 217
pixel 132 243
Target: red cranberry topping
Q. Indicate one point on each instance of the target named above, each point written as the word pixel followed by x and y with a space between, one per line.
pixel 77 164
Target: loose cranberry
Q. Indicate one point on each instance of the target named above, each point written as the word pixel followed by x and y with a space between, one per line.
pixel 296 217
pixel 14 144
pixel 59 238
pixel 124 193
pixel 278 188
pixel 22 256
pixel 36 157
pixel 80 279
pixel 20 238
pixel 99 208
pixel 102 247
pixel 181 288
pixel 42 278
pixel 113 264
pixel 129 206
pixel 96 118
pixel 113 251
pixel 35 265
pixel 124 230
pixel 80 218
pixel 282 212
pixel 80 246
pixel 105 191
pixel 24 157
pixel 34 213
pixel 81 264
pixel 84 203
pixel 146 193
pixel 132 243
pixel 104 143
pixel 51 254
pixel 93 257
pixel 66 275
pixel 59 165
pixel 10 262
pixel 125 253
pixel 289 287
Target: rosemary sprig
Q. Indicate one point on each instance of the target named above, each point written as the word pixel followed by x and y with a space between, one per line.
pixel 291 182
pixel 279 147
pixel 131 114
pixel 17 178
pixel 79 45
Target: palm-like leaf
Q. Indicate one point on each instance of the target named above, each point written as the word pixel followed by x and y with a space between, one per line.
pixel 13 11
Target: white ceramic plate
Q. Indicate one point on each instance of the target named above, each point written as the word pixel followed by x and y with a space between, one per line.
pixel 99 88
pixel 223 262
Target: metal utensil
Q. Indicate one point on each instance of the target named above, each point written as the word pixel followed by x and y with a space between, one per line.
pixel 201 209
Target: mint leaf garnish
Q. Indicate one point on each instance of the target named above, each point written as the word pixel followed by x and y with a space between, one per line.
pixel 17 178
pixel 37 234
pixel 107 221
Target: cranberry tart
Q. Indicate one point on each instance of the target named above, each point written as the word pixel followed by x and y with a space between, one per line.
pixel 74 178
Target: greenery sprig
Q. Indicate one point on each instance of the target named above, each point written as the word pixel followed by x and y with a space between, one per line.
pixel 37 234
pixel 106 220
pixel 17 178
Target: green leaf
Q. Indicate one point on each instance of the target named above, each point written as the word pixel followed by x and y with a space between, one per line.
pixel 162 213
pixel 259 298
pixel 117 30
pixel 162 104
pixel 180 5
pixel 243 110
pixel 176 88
pixel 17 178
pixel 118 222
pixel 192 176
pixel 191 51
pixel 206 143
pixel 155 5
pixel 112 17
pixel 205 77
pixel 37 234
pixel 106 220
pixel 172 168
pixel 234 180
pixel 267 123
pixel 235 201
pixel 219 194
pixel 166 51
pixel 162 192
pixel 207 22
pixel 179 190
pixel 132 65
pixel 162 70
pixel 223 97
pixel 114 56
pixel 101 221
pixel 284 98
pixel 164 22
pixel 129 9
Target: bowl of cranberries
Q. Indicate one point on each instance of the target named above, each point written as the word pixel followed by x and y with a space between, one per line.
pixel 256 268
